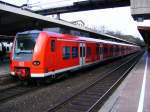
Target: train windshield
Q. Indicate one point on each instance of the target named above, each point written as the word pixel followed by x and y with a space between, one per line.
pixel 25 43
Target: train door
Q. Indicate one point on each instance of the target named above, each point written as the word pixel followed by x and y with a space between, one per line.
pixel 114 50
pixel 82 54
pixel 97 51
pixel 101 51
pixel 120 50
pixel 53 54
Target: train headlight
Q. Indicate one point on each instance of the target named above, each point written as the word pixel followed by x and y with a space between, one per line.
pixel 36 63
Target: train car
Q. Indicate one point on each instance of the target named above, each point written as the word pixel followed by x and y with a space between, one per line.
pixel 39 54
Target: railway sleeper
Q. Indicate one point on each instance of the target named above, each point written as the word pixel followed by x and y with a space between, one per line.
pixel 82 103
pixel 89 96
pixel 13 92
pixel 3 97
pixel 20 89
pixel 96 89
pixel 71 110
pixel 93 93
pixel 78 108
pixel 101 86
pixel 86 99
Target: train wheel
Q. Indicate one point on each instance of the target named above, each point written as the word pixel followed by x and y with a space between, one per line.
pixel 48 80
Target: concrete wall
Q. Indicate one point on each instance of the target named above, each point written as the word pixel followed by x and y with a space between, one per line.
pixel 140 7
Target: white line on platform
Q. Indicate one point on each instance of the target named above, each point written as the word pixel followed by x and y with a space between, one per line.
pixel 141 101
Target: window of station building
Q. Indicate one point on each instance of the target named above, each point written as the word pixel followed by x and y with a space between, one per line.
pixel 52 45
pixel 74 52
pixel 88 52
pixel 66 52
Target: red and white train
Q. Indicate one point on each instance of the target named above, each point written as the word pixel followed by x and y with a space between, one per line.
pixel 41 54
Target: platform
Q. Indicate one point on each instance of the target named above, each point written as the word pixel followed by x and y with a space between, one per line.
pixel 133 95
pixel 4 68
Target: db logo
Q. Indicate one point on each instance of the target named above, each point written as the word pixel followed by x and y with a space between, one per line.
pixel 21 63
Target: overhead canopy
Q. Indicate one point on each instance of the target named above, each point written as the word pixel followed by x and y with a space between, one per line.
pixel 84 6
pixel 140 9
pixel 14 19
pixel 4 38
pixel 145 32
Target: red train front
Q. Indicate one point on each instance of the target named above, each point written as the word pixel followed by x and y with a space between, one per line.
pixel 34 54
pixel 28 55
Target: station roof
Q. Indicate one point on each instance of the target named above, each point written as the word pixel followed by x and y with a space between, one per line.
pixel 4 38
pixel 145 32
pixel 141 16
pixel 14 19
pixel 84 6
pixel 140 9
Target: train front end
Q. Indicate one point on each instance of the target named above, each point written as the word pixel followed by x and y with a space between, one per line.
pixel 26 57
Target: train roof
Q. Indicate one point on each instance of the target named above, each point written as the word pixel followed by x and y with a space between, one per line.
pixel 102 41
pixel 77 38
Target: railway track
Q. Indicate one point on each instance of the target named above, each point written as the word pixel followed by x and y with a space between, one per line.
pixel 18 90
pixel 6 79
pixel 92 98
pixel 12 92
pixel 4 76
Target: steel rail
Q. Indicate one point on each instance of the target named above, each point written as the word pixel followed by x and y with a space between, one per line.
pixel 61 105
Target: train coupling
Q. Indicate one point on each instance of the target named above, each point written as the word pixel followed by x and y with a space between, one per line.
pixel 22 73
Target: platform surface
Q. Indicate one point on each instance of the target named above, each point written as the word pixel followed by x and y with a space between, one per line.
pixel 133 95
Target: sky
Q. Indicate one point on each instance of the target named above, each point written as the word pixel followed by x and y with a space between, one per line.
pixel 114 19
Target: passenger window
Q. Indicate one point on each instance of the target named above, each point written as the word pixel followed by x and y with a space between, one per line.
pixel 74 52
pixel 100 50
pixel 88 53
pixel 105 50
pixel 52 45
pixel 66 52
pixel 97 51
